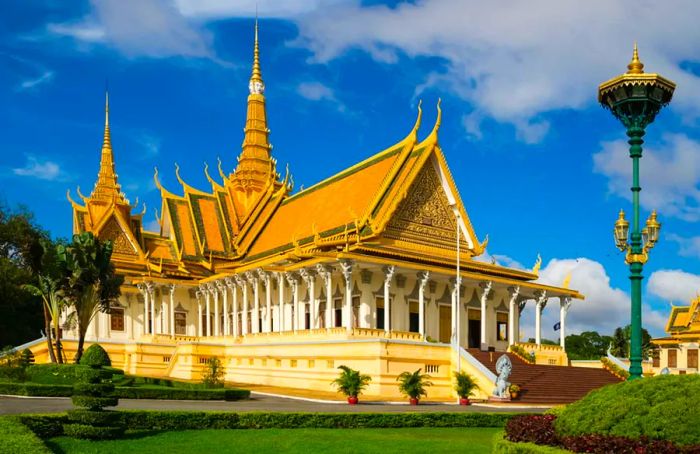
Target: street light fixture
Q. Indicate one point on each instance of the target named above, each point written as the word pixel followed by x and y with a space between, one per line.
pixel 635 98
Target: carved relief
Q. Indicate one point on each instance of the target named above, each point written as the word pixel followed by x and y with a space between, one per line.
pixel 113 231
pixel 425 214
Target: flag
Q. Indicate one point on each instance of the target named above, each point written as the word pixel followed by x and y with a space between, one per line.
pixel 557 326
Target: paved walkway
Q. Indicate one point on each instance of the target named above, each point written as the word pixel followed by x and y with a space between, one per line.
pixel 257 402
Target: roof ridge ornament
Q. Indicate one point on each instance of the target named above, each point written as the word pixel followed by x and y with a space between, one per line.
pixel 256 86
pixel 635 66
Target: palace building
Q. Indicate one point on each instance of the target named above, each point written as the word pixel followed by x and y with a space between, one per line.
pixel 679 350
pixel 359 269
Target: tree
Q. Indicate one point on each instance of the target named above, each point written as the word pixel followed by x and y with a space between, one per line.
pixel 20 259
pixel 587 345
pixel 90 283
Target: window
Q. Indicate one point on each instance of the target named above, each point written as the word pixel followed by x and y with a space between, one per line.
pixel 655 358
pixel 501 326
pixel 338 303
pixel 693 359
pixel 413 317
pixel 672 358
pixel 180 323
pixel 116 319
pixel 380 313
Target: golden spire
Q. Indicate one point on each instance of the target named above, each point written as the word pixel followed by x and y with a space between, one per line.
pixel 635 66
pixel 256 75
pixel 255 167
pixel 107 188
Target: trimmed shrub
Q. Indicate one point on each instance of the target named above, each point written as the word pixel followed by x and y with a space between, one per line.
pixel 52 374
pixel 660 408
pixel 31 389
pixel 538 429
pixel 15 437
pixel 95 356
pixel 503 446
pixel 99 418
pixel 213 376
pixel 89 432
pixel 45 426
pixel 229 394
pixel 94 403
pixel 11 373
pixel 27 357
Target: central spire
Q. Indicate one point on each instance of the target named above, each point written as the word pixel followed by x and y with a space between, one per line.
pixel 107 188
pixel 255 167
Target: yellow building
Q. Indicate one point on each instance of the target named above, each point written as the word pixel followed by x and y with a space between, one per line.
pixel 358 269
pixel 679 350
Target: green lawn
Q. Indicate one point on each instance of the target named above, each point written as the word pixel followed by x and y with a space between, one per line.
pixel 302 441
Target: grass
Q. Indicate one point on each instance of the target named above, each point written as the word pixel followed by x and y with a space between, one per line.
pixel 302 441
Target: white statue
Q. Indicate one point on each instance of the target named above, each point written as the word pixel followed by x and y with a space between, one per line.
pixel 503 368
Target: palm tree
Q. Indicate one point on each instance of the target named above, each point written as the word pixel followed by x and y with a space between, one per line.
pixel 47 288
pixel 90 284
pixel 351 382
pixel 413 384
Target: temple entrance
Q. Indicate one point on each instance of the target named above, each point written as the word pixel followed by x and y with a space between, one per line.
pixel 445 323
pixel 474 328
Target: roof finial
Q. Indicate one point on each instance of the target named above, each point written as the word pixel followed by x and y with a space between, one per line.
pixel 256 85
pixel 635 66
pixel 107 141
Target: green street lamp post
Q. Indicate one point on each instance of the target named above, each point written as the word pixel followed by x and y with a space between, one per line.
pixel 635 98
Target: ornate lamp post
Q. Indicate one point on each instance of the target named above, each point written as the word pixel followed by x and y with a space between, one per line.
pixel 635 98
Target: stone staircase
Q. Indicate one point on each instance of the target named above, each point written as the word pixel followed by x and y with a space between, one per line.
pixel 548 384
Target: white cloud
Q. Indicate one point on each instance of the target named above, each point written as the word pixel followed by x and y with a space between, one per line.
pixel 316 91
pixel 670 174
pixel 46 170
pixel 604 309
pixel 152 226
pixel 29 84
pixel 514 61
pixel 688 247
pixel 216 9
pixel 674 285
pixel 140 28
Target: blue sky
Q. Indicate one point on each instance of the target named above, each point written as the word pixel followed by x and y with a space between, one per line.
pixel 540 166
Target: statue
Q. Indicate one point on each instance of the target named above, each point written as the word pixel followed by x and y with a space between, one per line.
pixel 503 368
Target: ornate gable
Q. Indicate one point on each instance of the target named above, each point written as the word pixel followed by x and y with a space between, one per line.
pixel 113 231
pixel 425 215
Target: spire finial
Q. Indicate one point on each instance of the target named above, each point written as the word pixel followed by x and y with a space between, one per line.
pixel 635 66
pixel 107 141
pixel 256 85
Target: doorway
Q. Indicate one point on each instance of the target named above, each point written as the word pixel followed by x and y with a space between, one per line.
pixel 445 323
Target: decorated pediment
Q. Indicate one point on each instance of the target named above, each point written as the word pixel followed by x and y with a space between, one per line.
pixel 122 243
pixel 425 215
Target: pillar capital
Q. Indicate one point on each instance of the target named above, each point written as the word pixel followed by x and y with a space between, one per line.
pixel 220 285
pixel 264 276
pixel 346 268
pixel 565 302
pixel 423 277
pixel 240 281
pixel 230 282
pixel 171 288
pixel 514 291
pixel 388 271
pixel 541 300
pixel 324 271
pixel 307 275
pixel 292 278
pixel 251 277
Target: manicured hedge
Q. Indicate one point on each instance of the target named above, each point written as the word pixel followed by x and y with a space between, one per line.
pixel 33 389
pixel 15 437
pixel 47 426
pixel 663 407
pixel 503 446
pixel 90 432
pixel 181 394
pixel 184 420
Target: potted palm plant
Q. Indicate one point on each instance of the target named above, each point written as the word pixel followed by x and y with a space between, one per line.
pixel 413 384
pixel 465 386
pixel 514 391
pixel 351 383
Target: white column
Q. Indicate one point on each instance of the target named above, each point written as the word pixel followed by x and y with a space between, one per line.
pixel 423 277
pixel 151 299
pixel 453 337
pixel 244 314
pixel 564 304
pixel 541 303
pixel 264 277
pixel 281 324
pixel 486 290
pixel 514 293
pixel 215 297
pixel 388 274
pixel 171 307
pixel 325 272
pixel 521 306
pixel 294 284
pixel 255 319
pixel 199 313
pixel 346 268
pixel 207 299
pixel 222 290
pixel 310 279
pixel 230 283
pixel 144 293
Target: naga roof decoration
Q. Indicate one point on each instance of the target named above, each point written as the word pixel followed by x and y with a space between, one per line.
pixel 400 205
